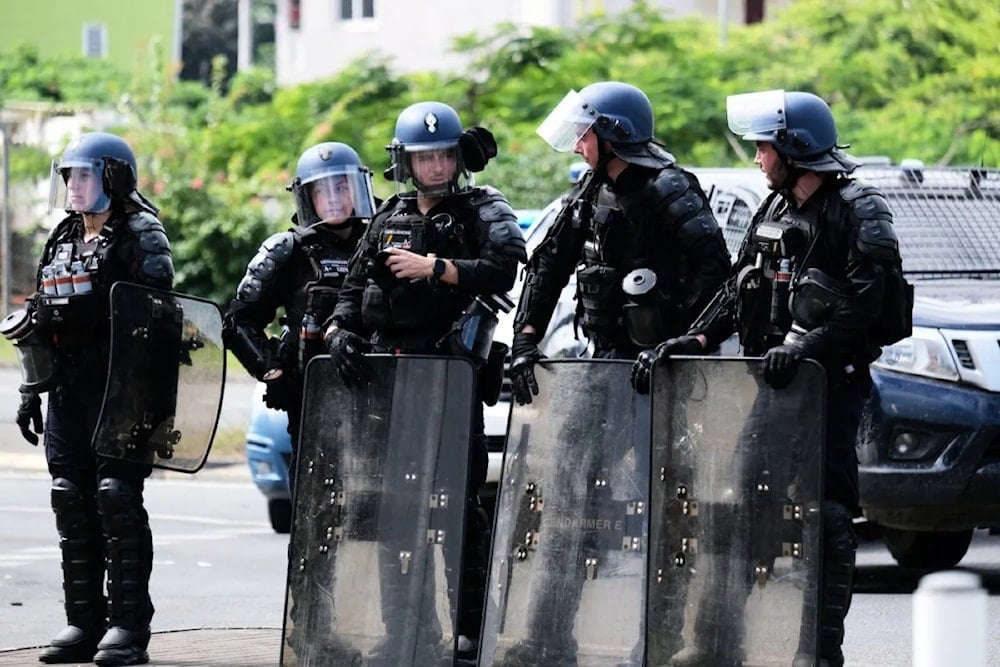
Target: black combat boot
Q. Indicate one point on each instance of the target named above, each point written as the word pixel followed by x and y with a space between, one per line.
pixel 129 558
pixel 80 542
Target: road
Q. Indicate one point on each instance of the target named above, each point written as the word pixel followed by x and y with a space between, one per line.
pixel 219 565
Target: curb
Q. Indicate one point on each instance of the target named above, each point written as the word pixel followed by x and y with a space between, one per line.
pixel 33 462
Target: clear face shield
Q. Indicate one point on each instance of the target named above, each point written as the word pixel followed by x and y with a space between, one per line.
pixel 435 170
pixel 757 116
pixel 334 196
pixel 77 186
pixel 569 121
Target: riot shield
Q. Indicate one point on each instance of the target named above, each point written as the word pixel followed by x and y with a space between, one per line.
pixel 568 572
pixel 165 379
pixel 380 503
pixel 735 514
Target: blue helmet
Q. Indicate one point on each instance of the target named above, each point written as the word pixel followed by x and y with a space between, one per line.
pixel 102 159
pixel 624 114
pixel 432 129
pixel 799 125
pixel 619 113
pixel 331 185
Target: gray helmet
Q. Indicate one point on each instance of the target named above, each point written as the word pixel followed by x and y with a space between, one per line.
pixel 431 128
pixel 799 125
pixel 103 157
pixel 331 173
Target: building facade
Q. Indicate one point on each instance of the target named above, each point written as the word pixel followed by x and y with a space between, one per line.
pixel 314 39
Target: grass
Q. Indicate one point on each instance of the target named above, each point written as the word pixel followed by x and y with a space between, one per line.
pixel 229 445
pixel 8 355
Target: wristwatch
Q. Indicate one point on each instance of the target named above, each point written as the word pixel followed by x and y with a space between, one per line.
pixel 438 270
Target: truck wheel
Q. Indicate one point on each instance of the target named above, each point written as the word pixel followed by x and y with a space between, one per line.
pixel 279 510
pixel 927 550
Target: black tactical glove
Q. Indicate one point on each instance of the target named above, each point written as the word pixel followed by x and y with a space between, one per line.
pixel 524 354
pixel 478 146
pixel 780 365
pixel 30 413
pixel 642 369
pixel 282 392
pixel 347 351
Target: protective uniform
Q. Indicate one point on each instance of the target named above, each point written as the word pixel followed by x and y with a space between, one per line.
pixel 477 231
pixel 647 250
pixel 98 501
pixel 809 282
pixel 648 255
pixel 300 271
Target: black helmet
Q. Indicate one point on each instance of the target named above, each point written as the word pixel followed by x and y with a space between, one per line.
pixel 799 125
pixel 332 173
pixel 619 113
pixel 425 131
pixel 104 161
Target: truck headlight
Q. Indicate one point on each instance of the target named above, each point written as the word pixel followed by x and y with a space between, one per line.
pixel 925 353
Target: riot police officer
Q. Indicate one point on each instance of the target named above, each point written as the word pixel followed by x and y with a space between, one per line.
pixel 648 255
pixel 430 250
pixel 300 271
pixel 638 229
pixel 828 241
pixel 111 234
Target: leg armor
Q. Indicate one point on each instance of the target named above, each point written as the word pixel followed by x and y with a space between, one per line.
pixel 836 580
pixel 129 553
pixel 80 542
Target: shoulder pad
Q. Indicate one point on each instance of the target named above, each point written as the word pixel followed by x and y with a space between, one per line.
pixel 494 209
pixel 669 182
pixel 485 193
pixel 278 246
pixel 273 253
pixel 159 268
pixel 143 221
pixel 866 200
pixel 876 235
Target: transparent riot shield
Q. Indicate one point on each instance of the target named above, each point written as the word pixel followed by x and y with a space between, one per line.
pixel 568 573
pixel 379 514
pixel 735 514
pixel 165 379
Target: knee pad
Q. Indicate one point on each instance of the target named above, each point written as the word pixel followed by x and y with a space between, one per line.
pixel 75 512
pixel 121 506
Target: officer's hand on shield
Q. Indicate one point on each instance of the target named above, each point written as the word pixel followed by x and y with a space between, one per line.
pixel 780 365
pixel 347 350
pixel 282 389
pixel 642 369
pixel 524 354
pixel 29 413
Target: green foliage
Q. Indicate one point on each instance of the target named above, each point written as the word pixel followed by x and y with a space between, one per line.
pixel 25 76
pixel 905 78
pixel 28 163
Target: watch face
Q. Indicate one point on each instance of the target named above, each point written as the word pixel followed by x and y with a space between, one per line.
pixel 439 267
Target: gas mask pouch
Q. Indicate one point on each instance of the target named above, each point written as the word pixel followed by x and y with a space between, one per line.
pixel 814 295
pixel 36 354
pixel 643 312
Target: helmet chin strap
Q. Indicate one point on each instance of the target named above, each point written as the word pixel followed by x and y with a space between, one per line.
pixel 792 174
pixel 603 158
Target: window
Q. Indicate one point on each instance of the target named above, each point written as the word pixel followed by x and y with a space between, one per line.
pixel 351 10
pixel 95 40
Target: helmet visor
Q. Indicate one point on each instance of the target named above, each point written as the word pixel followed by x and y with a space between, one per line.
pixel 335 195
pixel 569 121
pixel 435 170
pixel 78 187
pixel 756 116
